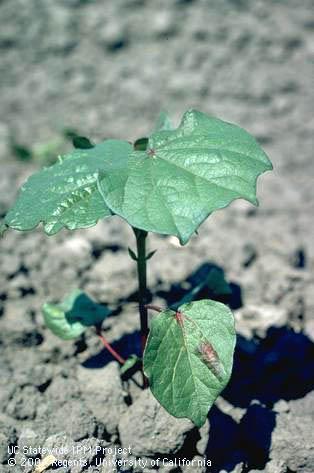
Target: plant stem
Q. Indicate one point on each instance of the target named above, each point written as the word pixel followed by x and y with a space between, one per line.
pixel 109 348
pixel 156 308
pixel 142 283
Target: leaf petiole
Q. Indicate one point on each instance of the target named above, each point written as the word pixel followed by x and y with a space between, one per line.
pixel 111 350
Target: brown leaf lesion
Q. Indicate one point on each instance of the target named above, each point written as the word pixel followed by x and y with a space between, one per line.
pixel 210 357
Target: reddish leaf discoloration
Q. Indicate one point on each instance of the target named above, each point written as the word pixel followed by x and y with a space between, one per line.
pixel 179 318
pixel 210 357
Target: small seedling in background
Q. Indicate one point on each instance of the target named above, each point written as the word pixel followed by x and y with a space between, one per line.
pixel 46 153
pixel 168 183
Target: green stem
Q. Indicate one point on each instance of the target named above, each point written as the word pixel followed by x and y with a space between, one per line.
pixel 142 283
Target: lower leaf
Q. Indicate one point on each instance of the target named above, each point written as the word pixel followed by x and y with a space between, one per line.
pixel 70 318
pixel 188 358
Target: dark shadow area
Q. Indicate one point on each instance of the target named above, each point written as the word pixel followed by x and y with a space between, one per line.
pixel 247 442
pixel 207 282
pixel 223 441
pixel 280 366
pixel 98 249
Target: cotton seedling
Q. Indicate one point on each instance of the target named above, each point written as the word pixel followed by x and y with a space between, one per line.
pixel 168 183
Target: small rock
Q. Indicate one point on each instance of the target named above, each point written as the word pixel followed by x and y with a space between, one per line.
pixel 79 423
pixel 20 460
pixel 112 35
pixel 29 439
pixel 149 429
pixel 60 445
pixel 292 443
pixel 303 407
pixel 23 404
pixel 309 329
pixel 281 406
pixel 275 466
pixel 236 413
pixel 201 445
pixel 7 437
pixel 162 23
pixel 62 390
pixel 103 394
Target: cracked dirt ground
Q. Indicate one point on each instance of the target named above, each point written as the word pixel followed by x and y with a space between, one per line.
pixel 106 69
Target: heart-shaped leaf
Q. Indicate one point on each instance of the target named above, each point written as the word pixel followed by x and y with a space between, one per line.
pixel 170 188
pixel 70 318
pixel 188 357
pixel 66 194
pixel 184 175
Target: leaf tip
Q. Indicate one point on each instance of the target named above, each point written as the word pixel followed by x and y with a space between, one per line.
pixel 132 254
pixel 150 254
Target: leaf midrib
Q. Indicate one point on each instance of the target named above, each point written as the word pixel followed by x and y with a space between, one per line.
pixel 204 178
pixel 181 326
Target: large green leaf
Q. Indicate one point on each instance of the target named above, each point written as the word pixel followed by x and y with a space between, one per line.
pixel 184 175
pixel 70 318
pixel 169 188
pixel 66 194
pixel 188 357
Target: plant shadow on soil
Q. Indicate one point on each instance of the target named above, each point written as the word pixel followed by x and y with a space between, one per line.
pixel 277 367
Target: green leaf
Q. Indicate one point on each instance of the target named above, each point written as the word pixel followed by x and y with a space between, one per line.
pixel 150 255
pixel 23 153
pixel 209 277
pixel 132 254
pixel 81 142
pixel 185 175
pixel 163 122
pixel 66 194
pixel 216 282
pixel 70 318
pixel 141 144
pixel 188 357
pixel 129 364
